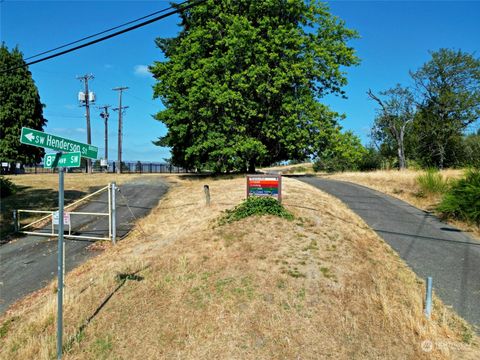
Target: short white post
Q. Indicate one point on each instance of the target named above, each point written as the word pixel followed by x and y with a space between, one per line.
pixel 428 298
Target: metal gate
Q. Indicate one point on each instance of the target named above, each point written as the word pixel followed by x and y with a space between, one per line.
pixel 31 229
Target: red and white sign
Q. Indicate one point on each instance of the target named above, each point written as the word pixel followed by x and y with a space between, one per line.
pixel 66 218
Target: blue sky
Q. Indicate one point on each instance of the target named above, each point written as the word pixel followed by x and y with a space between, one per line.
pixel 395 37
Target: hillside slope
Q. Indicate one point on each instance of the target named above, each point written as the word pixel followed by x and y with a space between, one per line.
pixel 181 286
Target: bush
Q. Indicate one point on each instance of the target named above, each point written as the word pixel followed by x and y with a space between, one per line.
pixel 462 201
pixel 432 183
pixel 255 205
pixel 371 160
pixel 344 153
pixel 6 187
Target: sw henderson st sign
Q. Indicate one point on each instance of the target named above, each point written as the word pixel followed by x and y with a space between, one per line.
pixel 41 139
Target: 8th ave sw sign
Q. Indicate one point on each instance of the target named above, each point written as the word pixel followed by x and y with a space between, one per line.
pixel 41 139
pixel 62 160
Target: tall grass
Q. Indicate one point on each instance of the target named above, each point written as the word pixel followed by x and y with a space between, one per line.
pixel 432 183
pixel 462 201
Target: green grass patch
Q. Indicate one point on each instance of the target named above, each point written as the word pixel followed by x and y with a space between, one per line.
pixel 255 206
pixel 462 201
pixel 432 183
pixel 6 326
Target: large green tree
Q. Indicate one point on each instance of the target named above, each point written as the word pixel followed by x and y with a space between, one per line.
pixel 241 81
pixel 20 106
pixel 448 87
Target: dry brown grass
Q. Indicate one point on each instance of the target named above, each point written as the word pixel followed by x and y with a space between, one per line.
pixel 320 286
pixel 303 168
pixel 403 185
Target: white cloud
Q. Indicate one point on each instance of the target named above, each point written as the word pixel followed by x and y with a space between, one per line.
pixel 141 70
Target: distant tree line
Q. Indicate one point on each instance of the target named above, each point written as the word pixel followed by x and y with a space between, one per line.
pixel 424 126
pixel 427 124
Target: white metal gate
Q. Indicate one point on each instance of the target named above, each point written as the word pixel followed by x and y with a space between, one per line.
pixel 31 229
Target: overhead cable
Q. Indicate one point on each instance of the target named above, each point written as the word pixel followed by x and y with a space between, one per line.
pixel 104 31
pixel 170 13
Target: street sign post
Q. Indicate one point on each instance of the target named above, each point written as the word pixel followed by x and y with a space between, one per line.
pixel 70 153
pixel 45 140
pixel 62 160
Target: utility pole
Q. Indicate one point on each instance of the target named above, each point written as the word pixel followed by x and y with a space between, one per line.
pixel 104 115
pixel 120 113
pixel 85 99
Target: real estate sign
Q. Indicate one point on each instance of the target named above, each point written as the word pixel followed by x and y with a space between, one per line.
pixel 265 185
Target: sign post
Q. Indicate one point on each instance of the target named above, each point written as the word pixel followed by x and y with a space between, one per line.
pixel 60 265
pixel 69 154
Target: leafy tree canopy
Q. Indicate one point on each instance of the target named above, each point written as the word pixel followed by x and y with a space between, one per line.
pixel 20 106
pixel 344 152
pixel 448 88
pixel 241 81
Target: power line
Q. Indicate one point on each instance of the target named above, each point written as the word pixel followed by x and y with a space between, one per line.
pixel 108 36
pixel 104 31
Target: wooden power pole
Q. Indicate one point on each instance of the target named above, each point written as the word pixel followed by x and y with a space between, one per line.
pixel 86 102
pixel 120 115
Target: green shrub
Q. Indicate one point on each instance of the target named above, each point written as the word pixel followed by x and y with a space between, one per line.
pixel 432 182
pixel 344 153
pixel 462 201
pixel 371 160
pixel 255 205
pixel 6 187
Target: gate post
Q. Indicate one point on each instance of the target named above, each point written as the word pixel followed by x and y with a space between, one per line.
pixel 110 211
pixel 114 212
pixel 15 220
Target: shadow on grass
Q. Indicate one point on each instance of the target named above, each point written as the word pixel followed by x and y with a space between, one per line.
pixel 30 198
pixel 80 333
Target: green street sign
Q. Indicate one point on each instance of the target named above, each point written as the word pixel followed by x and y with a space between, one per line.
pixel 41 139
pixel 62 160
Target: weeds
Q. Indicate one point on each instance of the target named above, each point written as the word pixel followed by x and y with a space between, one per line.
pixel 255 206
pixel 432 183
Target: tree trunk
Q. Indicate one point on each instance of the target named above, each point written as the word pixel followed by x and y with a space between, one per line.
pixel 401 150
pixel 441 152
pixel 251 166
pixel 401 158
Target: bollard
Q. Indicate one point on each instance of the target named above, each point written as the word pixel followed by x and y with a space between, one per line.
pixel 428 298
pixel 207 194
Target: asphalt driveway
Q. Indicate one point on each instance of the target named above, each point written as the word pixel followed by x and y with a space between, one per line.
pixel 28 263
pixel 429 246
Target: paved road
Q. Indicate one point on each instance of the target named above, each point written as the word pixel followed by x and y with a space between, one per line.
pixel 429 246
pixel 29 263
